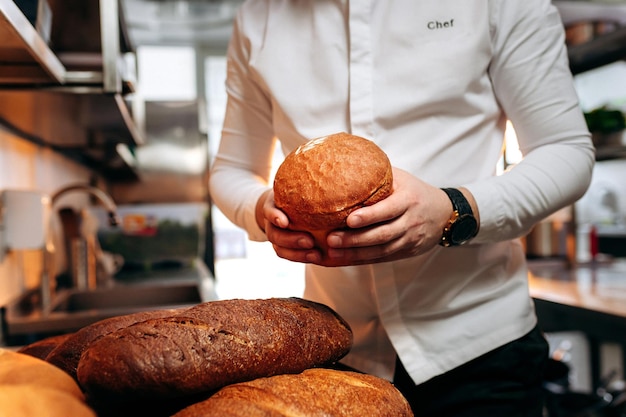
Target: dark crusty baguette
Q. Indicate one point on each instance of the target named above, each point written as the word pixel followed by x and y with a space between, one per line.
pixel 314 392
pixel 212 345
pixel 41 348
pixel 67 353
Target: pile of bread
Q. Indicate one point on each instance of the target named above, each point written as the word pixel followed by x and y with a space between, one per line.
pixel 265 357
pixel 241 358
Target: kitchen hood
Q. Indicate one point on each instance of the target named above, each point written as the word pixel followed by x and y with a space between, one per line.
pixel 574 11
pixel 205 24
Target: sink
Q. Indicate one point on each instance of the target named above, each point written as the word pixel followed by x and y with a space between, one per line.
pixel 23 319
pixel 128 297
pixel 74 309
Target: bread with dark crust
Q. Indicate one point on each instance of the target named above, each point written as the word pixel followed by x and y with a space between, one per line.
pixel 314 392
pixel 42 348
pixel 211 345
pixel 67 353
pixel 321 182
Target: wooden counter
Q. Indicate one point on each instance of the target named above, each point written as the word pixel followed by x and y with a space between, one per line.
pixel 589 298
pixel 600 287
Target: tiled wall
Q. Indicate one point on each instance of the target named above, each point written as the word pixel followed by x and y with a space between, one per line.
pixel 26 166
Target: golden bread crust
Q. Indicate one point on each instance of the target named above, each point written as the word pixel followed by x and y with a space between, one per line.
pixel 324 180
pixel 314 392
pixel 28 400
pixel 22 369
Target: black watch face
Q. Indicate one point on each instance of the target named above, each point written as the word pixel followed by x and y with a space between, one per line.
pixel 464 229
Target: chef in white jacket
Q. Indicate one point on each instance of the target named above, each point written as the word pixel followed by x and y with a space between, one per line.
pixel 435 278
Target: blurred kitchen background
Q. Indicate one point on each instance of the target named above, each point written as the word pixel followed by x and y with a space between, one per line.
pixel 127 97
pixel 129 101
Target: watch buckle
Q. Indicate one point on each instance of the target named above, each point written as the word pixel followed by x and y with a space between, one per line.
pixel 446 239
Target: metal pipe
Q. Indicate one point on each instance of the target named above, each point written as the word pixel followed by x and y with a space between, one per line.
pixel 47 275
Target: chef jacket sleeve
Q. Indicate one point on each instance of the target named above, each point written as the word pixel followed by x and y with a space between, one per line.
pixel 240 172
pixel 531 78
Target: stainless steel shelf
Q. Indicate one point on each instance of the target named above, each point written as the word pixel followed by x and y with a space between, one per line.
pixel 25 56
pixel 76 87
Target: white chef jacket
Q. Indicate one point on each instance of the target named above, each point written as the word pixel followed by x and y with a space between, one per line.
pixel 432 82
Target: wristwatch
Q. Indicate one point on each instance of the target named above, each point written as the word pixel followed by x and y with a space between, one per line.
pixel 462 225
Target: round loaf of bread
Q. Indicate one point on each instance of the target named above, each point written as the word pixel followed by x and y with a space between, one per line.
pixel 314 392
pixel 321 182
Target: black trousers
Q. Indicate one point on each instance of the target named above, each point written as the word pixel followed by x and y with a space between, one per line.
pixel 506 382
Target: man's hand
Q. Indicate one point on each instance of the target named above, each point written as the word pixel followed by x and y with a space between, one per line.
pixel 293 245
pixel 407 223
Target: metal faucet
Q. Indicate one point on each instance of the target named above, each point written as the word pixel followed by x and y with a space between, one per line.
pixel 49 250
pixel 104 198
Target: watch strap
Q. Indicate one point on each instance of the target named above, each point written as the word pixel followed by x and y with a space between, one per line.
pixel 459 202
pixel 460 209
